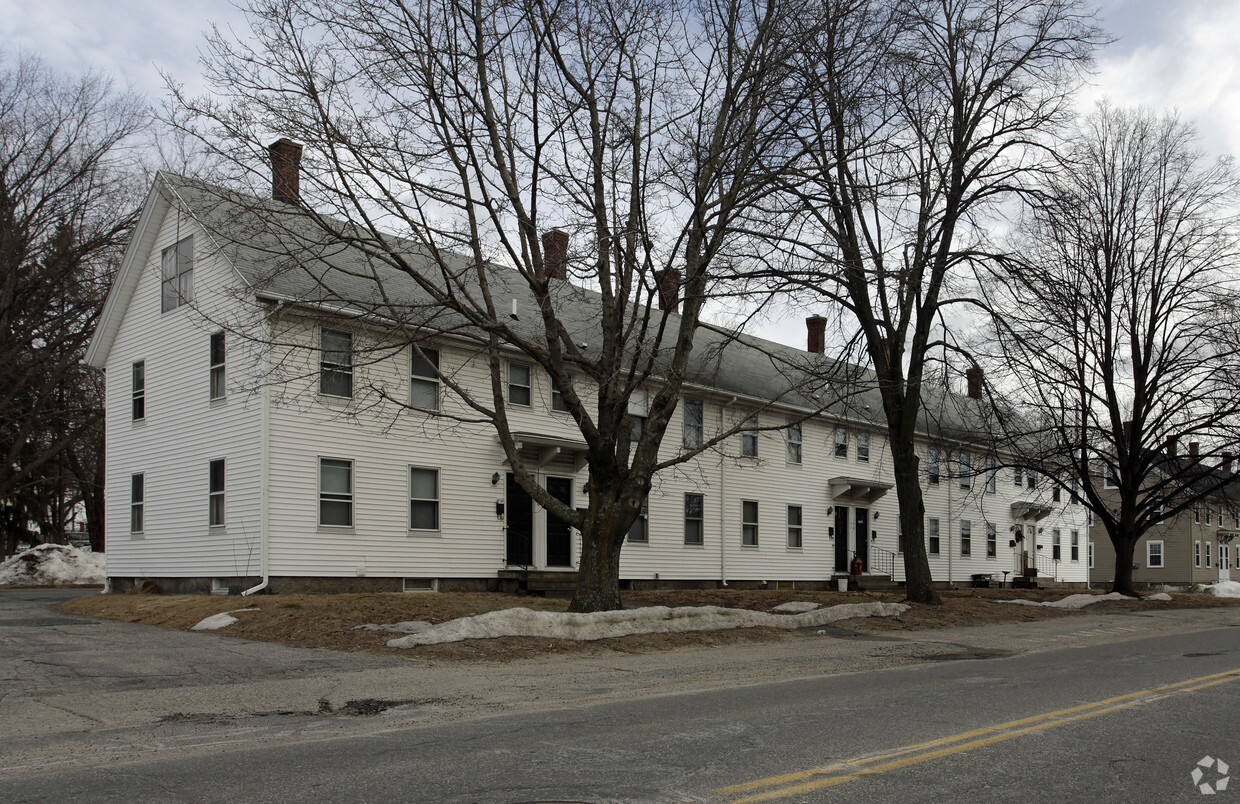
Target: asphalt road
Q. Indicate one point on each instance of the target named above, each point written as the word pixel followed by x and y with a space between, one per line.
pixel 1118 721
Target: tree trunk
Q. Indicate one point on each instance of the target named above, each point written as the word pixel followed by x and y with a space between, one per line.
pixel 598 574
pixel 918 583
pixel 1124 549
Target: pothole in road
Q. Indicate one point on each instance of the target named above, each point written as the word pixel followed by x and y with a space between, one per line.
pixel 967 655
pixel 1210 653
pixel 369 707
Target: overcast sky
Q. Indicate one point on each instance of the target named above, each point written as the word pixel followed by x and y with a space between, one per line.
pixel 1169 54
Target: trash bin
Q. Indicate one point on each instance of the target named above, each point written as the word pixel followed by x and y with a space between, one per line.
pixel 842 583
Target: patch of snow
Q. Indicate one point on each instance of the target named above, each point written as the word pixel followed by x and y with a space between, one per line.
pixel 407 627
pixel 1160 596
pixel 1070 602
pixel 646 620
pixel 54 563
pixel 1166 587
pixel 1222 588
pixel 218 621
pixel 795 607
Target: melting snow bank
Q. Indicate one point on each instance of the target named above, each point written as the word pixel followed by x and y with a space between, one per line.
pixel 609 624
pixel 217 621
pixel 1222 588
pixel 54 563
pixel 1071 601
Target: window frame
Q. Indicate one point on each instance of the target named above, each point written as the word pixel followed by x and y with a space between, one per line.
pixel 137 390
pixel 640 525
pixel 331 370
pixel 992 472
pixel 558 405
pixel 1074 546
pixel 964 461
pixel 528 387
pixel 863 446
pixel 749 436
pixel 700 519
pixel 1197 553
pixel 1056 544
pixel 433 502
pixel 1209 553
pixel 348 498
pixel 1150 553
pixel 176 287
pixel 933 466
pixel 429 357
pixel 840 440
pixel 796 530
pixel 217 376
pixel 794 442
pixel 692 434
pixel 966 538
pixel 1018 476
pixel 749 528
pixel 216 505
pixel 934 539
pixel 137 503
pixel 992 540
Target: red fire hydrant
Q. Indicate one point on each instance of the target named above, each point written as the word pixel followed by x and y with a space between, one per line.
pixel 856 566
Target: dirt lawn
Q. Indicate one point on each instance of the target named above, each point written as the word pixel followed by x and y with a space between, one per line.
pixel 328 621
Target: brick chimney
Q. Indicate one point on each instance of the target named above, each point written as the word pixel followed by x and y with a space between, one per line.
pixel 1173 446
pixel 669 289
pixel 816 334
pixel 973 381
pixel 1225 464
pixel 285 171
pixel 1128 431
pixel 1194 448
pixel 555 254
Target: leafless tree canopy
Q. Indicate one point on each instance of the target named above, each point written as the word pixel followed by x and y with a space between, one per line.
pixel 1119 319
pixel 68 198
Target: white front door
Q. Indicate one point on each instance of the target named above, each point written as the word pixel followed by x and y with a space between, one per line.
pixel 1224 562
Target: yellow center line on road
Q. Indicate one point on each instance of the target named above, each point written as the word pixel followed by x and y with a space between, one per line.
pixel 791 784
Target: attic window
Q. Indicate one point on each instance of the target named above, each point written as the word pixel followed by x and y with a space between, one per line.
pixel 177 270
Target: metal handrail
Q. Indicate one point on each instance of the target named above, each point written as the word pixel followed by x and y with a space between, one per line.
pixel 882 561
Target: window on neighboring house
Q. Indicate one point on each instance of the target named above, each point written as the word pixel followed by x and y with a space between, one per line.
pixel 177 268
pixel 1209 513
pixel 841 442
pixel 217 365
pixel 932 466
pixel 792 442
pixel 992 540
pixel 1197 513
pixel 336 363
pixel 1018 474
pixel 749 523
pixel 966 470
pixel 1075 489
pixel 1090 549
pixel 137 503
pixel 693 424
pixel 1031 479
pixel 991 471
pixel 215 494
pixel 519 386
pixel 639 531
pixel 694 531
pixel 966 537
pixel 794 526
pixel 932 537
pixel 863 447
pixel 139 391
pixel 1075 546
pixel 1154 554
pixel 424 379
pixel 423 498
pixel 1196 554
pixel 1056 545
pixel 1209 545
pixel 335 492
pixel 1235 518
pixel 1109 479
pixel 1055 493
pixel 749 436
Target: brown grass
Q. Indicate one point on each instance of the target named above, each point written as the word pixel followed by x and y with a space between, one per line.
pixel 327 621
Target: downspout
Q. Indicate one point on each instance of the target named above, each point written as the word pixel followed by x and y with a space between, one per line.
pixel 723 500
pixel 950 529
pixel 264 462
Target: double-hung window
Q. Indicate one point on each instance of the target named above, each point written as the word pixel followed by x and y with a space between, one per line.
pixel 335 492
pixel 519 385
pixel 693 421
pixel 639 531
pixel 694 519
pixel 932 537
pixel 557 397
pixel 215 494
pixel 424 379
pixel 749 523
pixel 966 537
pixel 841 442
pixel 1075 546
pixel 137 503
pixel 177 269
pixel 794 526
pixel 216 381
pixel 1056 545
pixel 793 437
pixel 423 498
pixel 749 436
pixel 992 540
pixel 1154 554
pixel 336 363
pixel 991 471
pixel 138 390
pixel 863 447
pixel 966 470
pixel 932 466
pixel 1018 474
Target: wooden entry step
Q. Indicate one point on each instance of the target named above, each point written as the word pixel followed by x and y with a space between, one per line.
pixel 537 581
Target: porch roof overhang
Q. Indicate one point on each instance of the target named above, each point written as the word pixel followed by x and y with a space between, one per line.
pixel 1024 509
pixel 1225 535
pixel 551 447
pixel 857 490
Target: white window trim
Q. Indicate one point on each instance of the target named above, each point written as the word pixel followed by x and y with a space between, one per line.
pixel 933 470
pixel 748 524
pixel 352 494
pixel 509 384
pixel 863 447
pixel 933 532
pixel 701 520
pixel 965 461
pixel 1197 554
pixel 794 450
pixel 700 427
pixel 137 394
pixel 749 436
pixel 1149 554
pixel 139 504
pixel 217 368
pixel 966 537
pixel 839 441
pixel 430 381
pixel 798 528
pixel 212 495
pixel 437 499
pixel 326 366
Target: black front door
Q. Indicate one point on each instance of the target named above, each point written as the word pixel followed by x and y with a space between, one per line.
pixel 520 520
pixel 559 539
pixel 841 539
pixel 862 517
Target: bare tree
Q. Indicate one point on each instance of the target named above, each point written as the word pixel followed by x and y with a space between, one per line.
pixel 1119 322
pixel 68 199
pixel 444 138
pixel 927 115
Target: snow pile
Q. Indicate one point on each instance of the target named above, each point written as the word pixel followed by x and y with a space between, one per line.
pixel 217 621
pixel 406 627
pixel 1162 596
pixel 646 620
pixel 1222 589
pixel 1071 601
pixel 795 607
pixel 54 563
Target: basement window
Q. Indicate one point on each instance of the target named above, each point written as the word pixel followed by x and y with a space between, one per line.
pixel 421 585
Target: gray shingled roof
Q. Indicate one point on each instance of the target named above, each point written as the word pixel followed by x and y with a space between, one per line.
pixel 283 255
